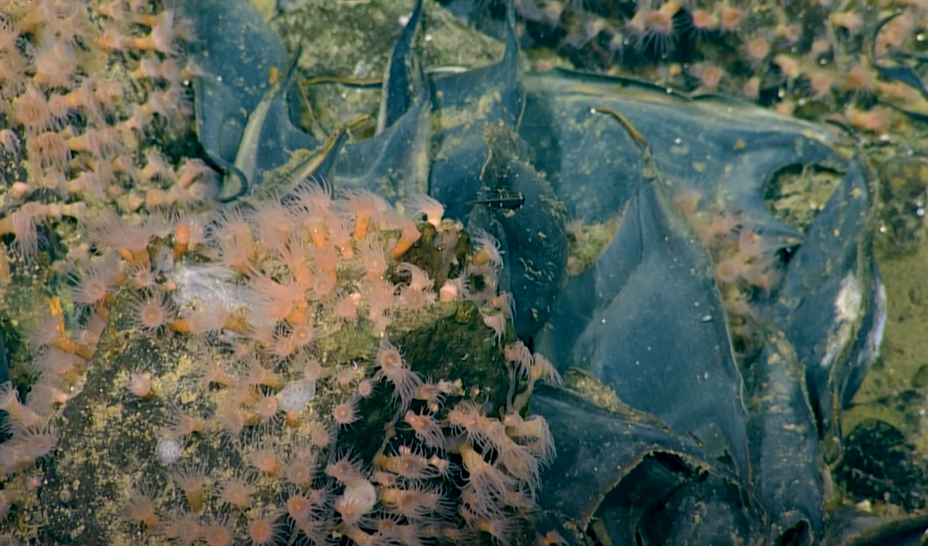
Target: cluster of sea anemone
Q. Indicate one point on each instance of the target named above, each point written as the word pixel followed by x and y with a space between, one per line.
pixel 815 58
pixel 85 89
pixel 289 354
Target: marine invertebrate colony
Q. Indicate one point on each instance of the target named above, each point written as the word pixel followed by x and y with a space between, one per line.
pixel 293 414
pixel 820 60
pixel 85 86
